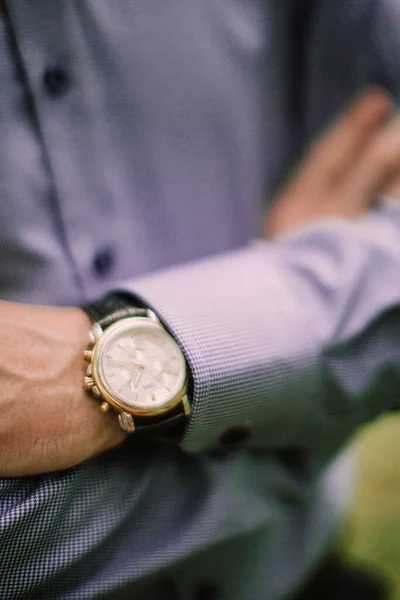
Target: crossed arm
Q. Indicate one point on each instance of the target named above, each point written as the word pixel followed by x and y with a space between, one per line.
pixel 307 310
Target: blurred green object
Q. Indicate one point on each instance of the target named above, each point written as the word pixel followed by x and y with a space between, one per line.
pixel 373 534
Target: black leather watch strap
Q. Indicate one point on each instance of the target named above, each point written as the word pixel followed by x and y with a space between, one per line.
pixel 172 427
pixel 112 308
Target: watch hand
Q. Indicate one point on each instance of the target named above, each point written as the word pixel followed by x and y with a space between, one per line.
pixel 124 363
pixel 138 376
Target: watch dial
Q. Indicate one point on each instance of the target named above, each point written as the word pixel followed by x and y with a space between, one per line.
pixel 142 366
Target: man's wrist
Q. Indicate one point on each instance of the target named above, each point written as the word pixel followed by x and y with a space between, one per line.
pixel 126 338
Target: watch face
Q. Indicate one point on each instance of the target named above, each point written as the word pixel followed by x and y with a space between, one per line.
pixel 139 365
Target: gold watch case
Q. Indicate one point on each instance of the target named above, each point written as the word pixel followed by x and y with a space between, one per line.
pixel 97 384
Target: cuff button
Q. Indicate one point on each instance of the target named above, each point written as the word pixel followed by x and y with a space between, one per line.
pixel 235 436
pixel 207 591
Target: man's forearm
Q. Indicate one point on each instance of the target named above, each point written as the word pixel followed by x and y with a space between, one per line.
pixel 257 326
pixel 46 420
pixel 289 339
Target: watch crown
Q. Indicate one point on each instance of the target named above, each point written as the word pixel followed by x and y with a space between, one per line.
pixel 95 392
pixel 88 383
pixel 89 370
pixel 105 407
pixel 88 354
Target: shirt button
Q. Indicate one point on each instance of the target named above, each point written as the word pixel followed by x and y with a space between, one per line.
pixel 104 261
pixel 56 80
pixel 235 436
pixel 207 591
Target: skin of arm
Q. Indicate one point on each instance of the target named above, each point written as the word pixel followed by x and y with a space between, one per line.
pixel 47 421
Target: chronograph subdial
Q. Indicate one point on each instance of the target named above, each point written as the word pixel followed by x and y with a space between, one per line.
pixel 146 382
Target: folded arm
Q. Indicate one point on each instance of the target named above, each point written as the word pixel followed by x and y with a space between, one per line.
pixel 298 340
pixel 269 330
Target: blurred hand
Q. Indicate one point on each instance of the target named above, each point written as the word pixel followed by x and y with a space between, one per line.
pixel 47 421
pixel 344 172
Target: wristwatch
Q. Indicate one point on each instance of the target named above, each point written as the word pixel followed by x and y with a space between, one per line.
pixel 136 368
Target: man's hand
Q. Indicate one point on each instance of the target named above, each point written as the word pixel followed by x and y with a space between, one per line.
pixel 344 172
pixel 47 421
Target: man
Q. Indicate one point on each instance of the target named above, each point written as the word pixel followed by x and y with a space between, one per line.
pixel 138 136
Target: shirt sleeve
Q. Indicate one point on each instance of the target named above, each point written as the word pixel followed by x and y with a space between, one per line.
pixel 296 339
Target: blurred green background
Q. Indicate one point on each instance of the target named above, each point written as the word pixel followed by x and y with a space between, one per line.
pixel 373 535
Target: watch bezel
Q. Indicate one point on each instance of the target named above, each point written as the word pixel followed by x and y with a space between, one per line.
pixel 122 325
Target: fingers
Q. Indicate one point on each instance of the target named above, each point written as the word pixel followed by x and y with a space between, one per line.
pixel 392 190
pixel 336 152
pixel 378 169
pixel 356 160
